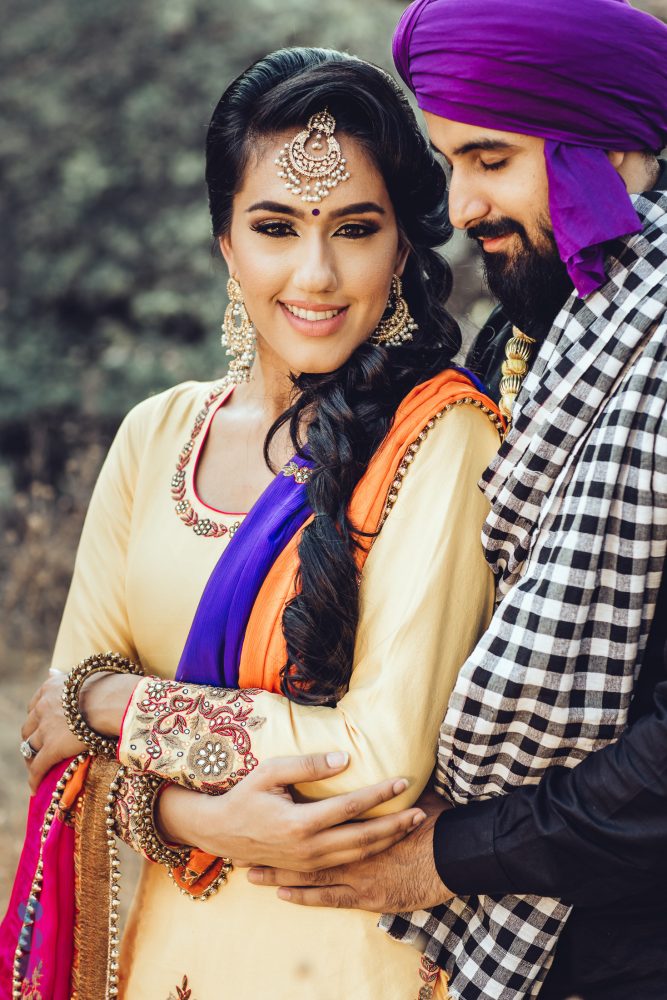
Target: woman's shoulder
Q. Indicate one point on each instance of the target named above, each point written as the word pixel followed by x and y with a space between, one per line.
pixel 465 437
pixel 165 418
pixel 172 410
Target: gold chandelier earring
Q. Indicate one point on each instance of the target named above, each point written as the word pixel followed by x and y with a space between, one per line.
pixel 397 325
pixel 238 335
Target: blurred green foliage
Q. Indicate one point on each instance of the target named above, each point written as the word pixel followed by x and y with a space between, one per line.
pixel 108 289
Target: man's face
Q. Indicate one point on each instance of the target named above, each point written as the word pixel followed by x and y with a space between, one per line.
pixel 499 194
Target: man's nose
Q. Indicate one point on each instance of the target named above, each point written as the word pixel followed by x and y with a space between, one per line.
pixel 467 202
pixel 316 271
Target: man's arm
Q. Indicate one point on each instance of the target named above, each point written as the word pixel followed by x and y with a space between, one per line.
pixel 590 834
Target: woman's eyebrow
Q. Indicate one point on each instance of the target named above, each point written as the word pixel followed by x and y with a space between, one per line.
pixel 359 208
pixel 275 206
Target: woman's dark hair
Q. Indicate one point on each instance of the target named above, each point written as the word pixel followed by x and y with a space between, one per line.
pixel 348 411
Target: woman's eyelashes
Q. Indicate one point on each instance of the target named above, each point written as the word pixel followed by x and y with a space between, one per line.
pixel 278 229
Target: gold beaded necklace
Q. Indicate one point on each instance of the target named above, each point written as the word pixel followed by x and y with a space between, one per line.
pixel 518 350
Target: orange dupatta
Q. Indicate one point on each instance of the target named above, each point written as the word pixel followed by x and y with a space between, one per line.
pixel 264 651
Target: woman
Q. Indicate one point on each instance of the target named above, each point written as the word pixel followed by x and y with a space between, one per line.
pixel 336 612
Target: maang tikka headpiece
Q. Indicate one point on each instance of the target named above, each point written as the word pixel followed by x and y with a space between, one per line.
pixel 313 176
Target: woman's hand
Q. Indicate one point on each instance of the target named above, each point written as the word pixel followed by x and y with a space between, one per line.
pixel 103 700
pixel 46 730
pixel 258 823
pixel 401 879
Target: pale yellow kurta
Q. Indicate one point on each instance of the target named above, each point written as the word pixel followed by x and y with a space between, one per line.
pixel 426 595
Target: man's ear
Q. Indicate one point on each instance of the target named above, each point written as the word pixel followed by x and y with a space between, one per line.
pixel 225 244
pixel 616 158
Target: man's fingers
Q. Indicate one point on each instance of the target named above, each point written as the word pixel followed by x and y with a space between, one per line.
pixel 339 896
pixel 295 770
pixel 285 877
pixel 356 855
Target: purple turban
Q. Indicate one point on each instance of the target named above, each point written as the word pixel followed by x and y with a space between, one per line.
pixel 586 75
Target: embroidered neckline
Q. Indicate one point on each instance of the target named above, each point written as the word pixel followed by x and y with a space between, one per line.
pixel 204 527
pixel 207 527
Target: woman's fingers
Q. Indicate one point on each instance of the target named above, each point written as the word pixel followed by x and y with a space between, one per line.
pixel 35 739
pixel 284 771
pixel 355 841
pixel 351 805
pixel 29 726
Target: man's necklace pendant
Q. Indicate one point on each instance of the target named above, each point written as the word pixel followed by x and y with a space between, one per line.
pixel 518 350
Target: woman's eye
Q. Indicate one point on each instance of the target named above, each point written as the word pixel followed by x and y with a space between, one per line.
pixel 275 229
pixel 496 165
pixel 355 230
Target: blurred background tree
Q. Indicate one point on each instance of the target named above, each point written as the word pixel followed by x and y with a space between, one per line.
pixel 108 289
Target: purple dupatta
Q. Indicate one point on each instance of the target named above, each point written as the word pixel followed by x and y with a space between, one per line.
pixel 212 651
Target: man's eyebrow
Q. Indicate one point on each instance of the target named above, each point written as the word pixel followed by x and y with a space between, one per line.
pixel 276 206
pixel 490 145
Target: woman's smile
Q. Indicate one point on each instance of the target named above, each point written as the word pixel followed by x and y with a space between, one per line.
pixel 314 319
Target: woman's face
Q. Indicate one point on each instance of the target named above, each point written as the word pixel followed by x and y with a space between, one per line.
pixel 315 276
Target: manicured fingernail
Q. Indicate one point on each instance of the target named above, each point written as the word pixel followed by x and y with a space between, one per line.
pixel 284 894
pixel 419 818
pixel 255 875
pixel 400 785
pixel 337 759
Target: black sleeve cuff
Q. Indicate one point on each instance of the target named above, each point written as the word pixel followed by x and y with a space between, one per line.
pixel 463 849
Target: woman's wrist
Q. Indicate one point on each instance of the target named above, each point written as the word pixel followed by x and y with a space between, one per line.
pixel 177 813
pixel 104 699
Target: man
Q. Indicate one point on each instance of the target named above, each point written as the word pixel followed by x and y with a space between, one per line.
pixel 550 117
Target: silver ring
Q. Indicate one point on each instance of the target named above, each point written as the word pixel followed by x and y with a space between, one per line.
pixel 27 750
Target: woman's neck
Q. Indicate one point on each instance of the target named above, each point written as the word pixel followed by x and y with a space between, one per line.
pixel 270 386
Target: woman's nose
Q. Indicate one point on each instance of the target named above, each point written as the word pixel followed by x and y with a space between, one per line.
pixel 316 271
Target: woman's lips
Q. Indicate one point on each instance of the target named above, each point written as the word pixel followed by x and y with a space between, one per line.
pixel 314 327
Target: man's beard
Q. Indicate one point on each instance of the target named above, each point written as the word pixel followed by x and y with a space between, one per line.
pixel 531 284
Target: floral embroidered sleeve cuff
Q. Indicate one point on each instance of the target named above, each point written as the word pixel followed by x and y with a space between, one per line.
pixel 198 736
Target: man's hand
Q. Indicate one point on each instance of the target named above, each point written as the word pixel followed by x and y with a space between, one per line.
pixel 403 878
pixel 258 823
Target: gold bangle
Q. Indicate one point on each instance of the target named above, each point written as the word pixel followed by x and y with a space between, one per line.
pixel 146 789
pixel 101 746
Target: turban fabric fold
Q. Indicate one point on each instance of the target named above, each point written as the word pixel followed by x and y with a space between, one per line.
pixel 587 76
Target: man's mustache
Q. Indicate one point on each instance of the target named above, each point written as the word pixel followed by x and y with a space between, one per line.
pixel 499 227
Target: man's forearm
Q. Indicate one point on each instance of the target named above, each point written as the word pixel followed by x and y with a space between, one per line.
pixel 591 834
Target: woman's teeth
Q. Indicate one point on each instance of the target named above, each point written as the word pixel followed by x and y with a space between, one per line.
pixel 310 314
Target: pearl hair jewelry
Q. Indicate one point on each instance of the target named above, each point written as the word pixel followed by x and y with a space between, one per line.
pixel 323 172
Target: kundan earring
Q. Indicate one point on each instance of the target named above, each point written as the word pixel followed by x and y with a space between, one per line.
pixel 238 335
pixel 397 325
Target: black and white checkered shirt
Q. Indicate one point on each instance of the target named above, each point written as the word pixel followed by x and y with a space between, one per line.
pixel 577 538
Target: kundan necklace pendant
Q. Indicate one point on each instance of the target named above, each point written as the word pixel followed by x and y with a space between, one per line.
pixel 307 170
pixel 518 350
